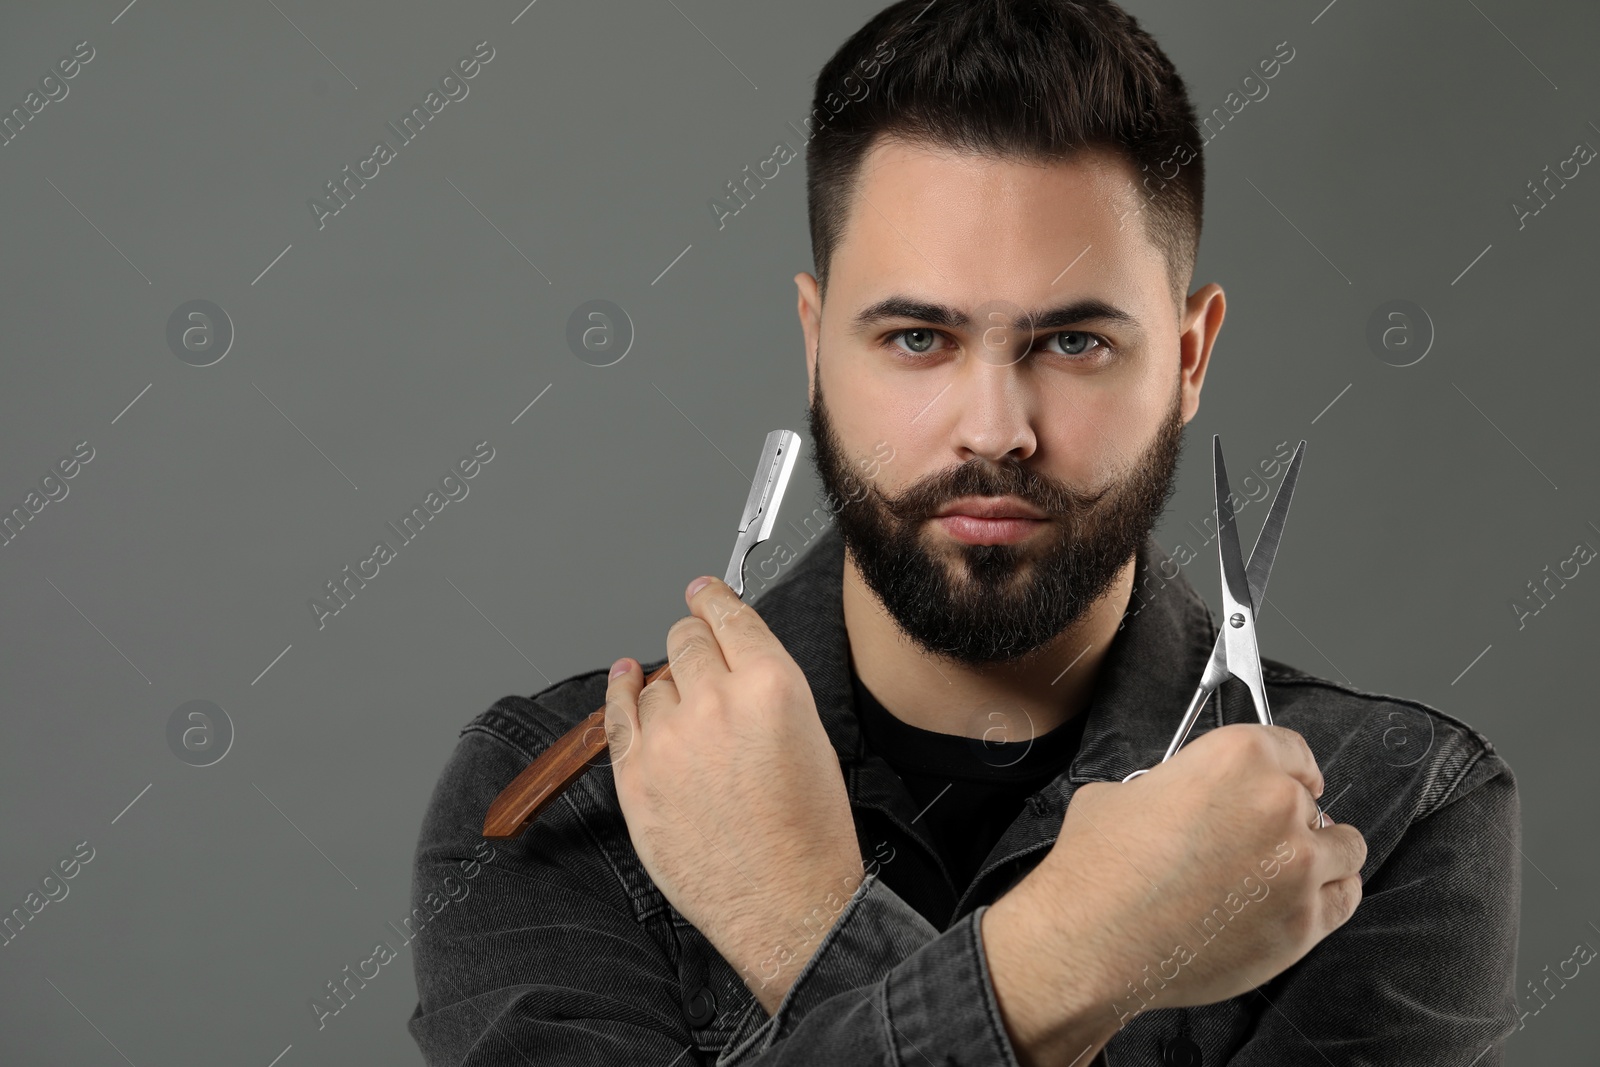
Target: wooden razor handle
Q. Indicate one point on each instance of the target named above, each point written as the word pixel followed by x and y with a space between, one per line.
pixel 556 768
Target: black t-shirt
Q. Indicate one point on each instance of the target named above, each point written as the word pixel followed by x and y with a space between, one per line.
pixel 968 790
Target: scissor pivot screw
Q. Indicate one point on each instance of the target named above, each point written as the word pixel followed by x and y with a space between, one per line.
pixel 1236 620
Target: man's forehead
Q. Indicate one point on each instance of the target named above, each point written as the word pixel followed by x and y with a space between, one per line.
pixel 926 218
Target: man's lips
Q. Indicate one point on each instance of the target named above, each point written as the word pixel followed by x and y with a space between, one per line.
pixel 989 520
pixel 991 507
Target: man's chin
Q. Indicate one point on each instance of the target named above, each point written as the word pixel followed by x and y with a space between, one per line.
pixel 988 569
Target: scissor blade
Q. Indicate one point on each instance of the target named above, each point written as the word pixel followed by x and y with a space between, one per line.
pixel 1233 579
pixel 1259 569
pixel 1215 673
pixel 1238 607
pixel 778 454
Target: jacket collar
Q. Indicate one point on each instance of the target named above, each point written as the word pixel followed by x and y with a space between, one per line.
pixel 1144 683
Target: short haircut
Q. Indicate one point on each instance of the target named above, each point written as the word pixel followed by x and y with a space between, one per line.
pixel 1029 80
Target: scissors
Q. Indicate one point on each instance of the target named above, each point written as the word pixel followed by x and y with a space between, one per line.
pixel 1236 652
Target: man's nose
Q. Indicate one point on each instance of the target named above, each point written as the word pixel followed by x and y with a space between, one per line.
pixel 996 410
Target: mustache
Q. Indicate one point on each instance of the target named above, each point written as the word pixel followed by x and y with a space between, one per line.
pixel 978 477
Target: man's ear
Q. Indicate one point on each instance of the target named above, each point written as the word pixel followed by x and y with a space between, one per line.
pixel 1202 321
pixel 810 310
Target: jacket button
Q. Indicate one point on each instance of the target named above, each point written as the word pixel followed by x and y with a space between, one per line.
pixel 1180 1052
pixel 700 1007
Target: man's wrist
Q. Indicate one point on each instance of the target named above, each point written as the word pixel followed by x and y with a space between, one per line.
pixel 774 953
pixel 1047 998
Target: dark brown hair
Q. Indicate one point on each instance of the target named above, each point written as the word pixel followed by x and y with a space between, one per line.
pixel 1030 80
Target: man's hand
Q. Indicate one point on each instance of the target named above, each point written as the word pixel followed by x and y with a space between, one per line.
pixel 1190 884
pixel 732 791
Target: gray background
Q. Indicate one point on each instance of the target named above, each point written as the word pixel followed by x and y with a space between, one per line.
pixel 376 351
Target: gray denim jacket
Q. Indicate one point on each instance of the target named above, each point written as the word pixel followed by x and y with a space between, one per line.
pixel 562 951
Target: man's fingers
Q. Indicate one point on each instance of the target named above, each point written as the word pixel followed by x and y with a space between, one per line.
pixel 738 630
pixel 1341 850
pixel 656 698
pixel 1313 811
pixel 1339 901
pixel 693 652
pixel 1295 757
pixel 622 709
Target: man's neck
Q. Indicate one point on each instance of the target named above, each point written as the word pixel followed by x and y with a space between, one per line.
pixel 939 694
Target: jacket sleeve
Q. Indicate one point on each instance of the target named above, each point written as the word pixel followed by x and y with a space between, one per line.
pixel 541 958
pixel 885 987
pixel 1424 972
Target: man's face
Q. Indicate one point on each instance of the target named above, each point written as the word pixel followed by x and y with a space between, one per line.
pixel 1008 331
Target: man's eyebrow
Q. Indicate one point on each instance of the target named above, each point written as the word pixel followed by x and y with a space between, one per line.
pixel 1089 309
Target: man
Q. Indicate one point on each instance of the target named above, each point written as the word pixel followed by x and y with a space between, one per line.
pixel 878 815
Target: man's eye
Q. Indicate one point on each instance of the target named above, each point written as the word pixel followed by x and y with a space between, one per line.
pixel 918 340
pixel 1075 342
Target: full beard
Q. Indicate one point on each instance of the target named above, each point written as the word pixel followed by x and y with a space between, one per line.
pixel 986 604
